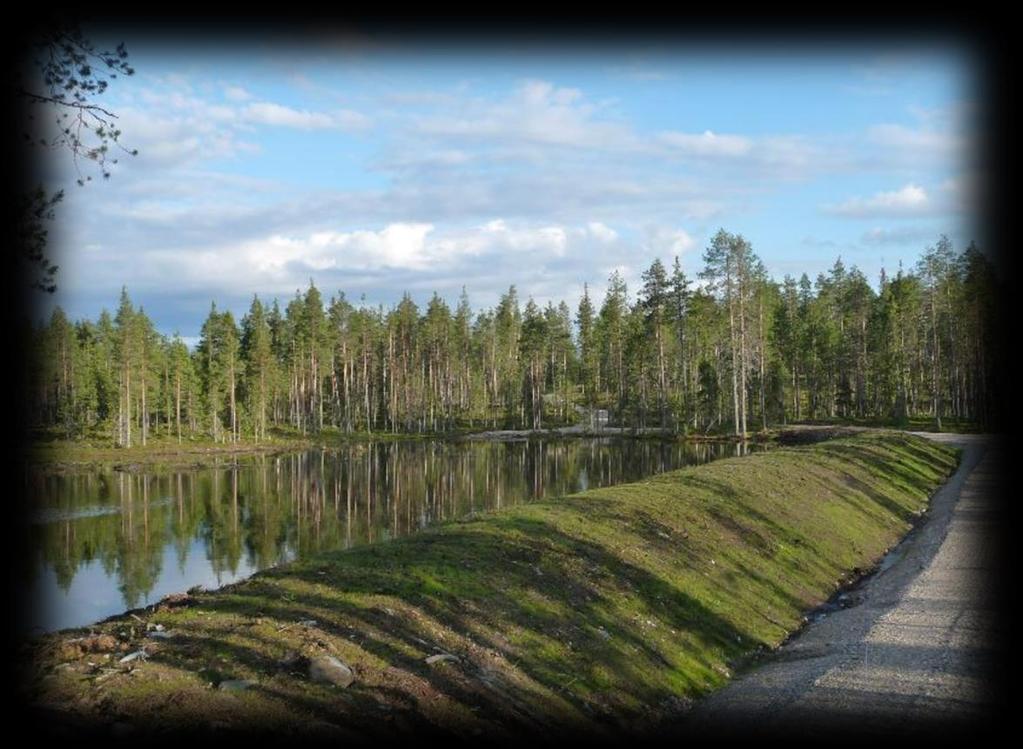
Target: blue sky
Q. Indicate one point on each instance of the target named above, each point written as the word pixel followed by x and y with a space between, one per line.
pixel 375 167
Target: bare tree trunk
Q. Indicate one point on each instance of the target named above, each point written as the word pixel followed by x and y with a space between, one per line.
pixel 127 405
pixel 742 353
pixel 177 403
pixel 144 416
pixel 763 356
pixel 234 411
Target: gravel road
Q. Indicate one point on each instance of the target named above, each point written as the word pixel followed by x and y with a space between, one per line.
pixel 916 649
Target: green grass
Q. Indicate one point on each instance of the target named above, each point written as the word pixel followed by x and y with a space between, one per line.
pixel 601 611
pixel 912 424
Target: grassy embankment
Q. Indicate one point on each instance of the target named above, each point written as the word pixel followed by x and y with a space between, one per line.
pixel 606 610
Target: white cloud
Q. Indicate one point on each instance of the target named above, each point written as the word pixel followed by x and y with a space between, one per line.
pixel 542 259
pixel 666 242
pixel 776 156
pixel 547 239
pixel 916 139
pixel 279 263
pixel 268 113
pixel 707 143
pixel 537 112
pixel 237 93
pixel 431 159
pixel 701 210
pixel 399 245
pixel 349 119
pixel 416 205
pixel 910 200
pixel 542 151
pixel 542 124
pixel 898 236
pixel 174 137
pixel 601 231
pixel 409 246
pixel 171 126
pixel 543 94
pixel 799 154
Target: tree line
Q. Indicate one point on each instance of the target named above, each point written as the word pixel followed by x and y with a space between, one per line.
pixel 736 352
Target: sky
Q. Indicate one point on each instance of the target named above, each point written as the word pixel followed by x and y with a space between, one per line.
pixel 374 166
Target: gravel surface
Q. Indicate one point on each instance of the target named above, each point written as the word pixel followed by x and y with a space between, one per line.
pixel 915 651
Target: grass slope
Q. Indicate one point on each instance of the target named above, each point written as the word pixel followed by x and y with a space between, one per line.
pixel 607 610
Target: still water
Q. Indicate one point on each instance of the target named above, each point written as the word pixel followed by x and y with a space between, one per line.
pixel 107 541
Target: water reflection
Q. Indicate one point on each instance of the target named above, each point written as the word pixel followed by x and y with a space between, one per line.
pixel 107 541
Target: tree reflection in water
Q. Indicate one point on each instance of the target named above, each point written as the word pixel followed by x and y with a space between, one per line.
pixel 145 535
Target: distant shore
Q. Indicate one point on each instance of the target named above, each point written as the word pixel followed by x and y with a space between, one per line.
pixel 75 455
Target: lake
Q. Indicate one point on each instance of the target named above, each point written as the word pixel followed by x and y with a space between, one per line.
pixel 106 541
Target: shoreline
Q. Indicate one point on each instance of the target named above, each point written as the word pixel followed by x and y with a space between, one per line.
pixel 61 455
pixel 609 610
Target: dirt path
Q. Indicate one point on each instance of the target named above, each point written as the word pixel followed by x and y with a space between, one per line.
pixel 915 650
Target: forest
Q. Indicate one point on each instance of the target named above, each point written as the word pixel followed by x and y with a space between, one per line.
pixel 729 350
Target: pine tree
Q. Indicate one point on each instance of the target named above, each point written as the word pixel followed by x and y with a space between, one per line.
pixel 589 350
pixel 925 344
pixel 258 361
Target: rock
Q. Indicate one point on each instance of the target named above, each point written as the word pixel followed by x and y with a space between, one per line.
pixel 137 655
pixel 162 635
pixel 291 660
pixel 174 600
pixel 98 643
pixel 69 651
pixel 326 669
pixel 441 658
pixel 236 685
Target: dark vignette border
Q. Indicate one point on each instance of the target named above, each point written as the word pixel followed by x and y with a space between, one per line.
pixel 985 39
